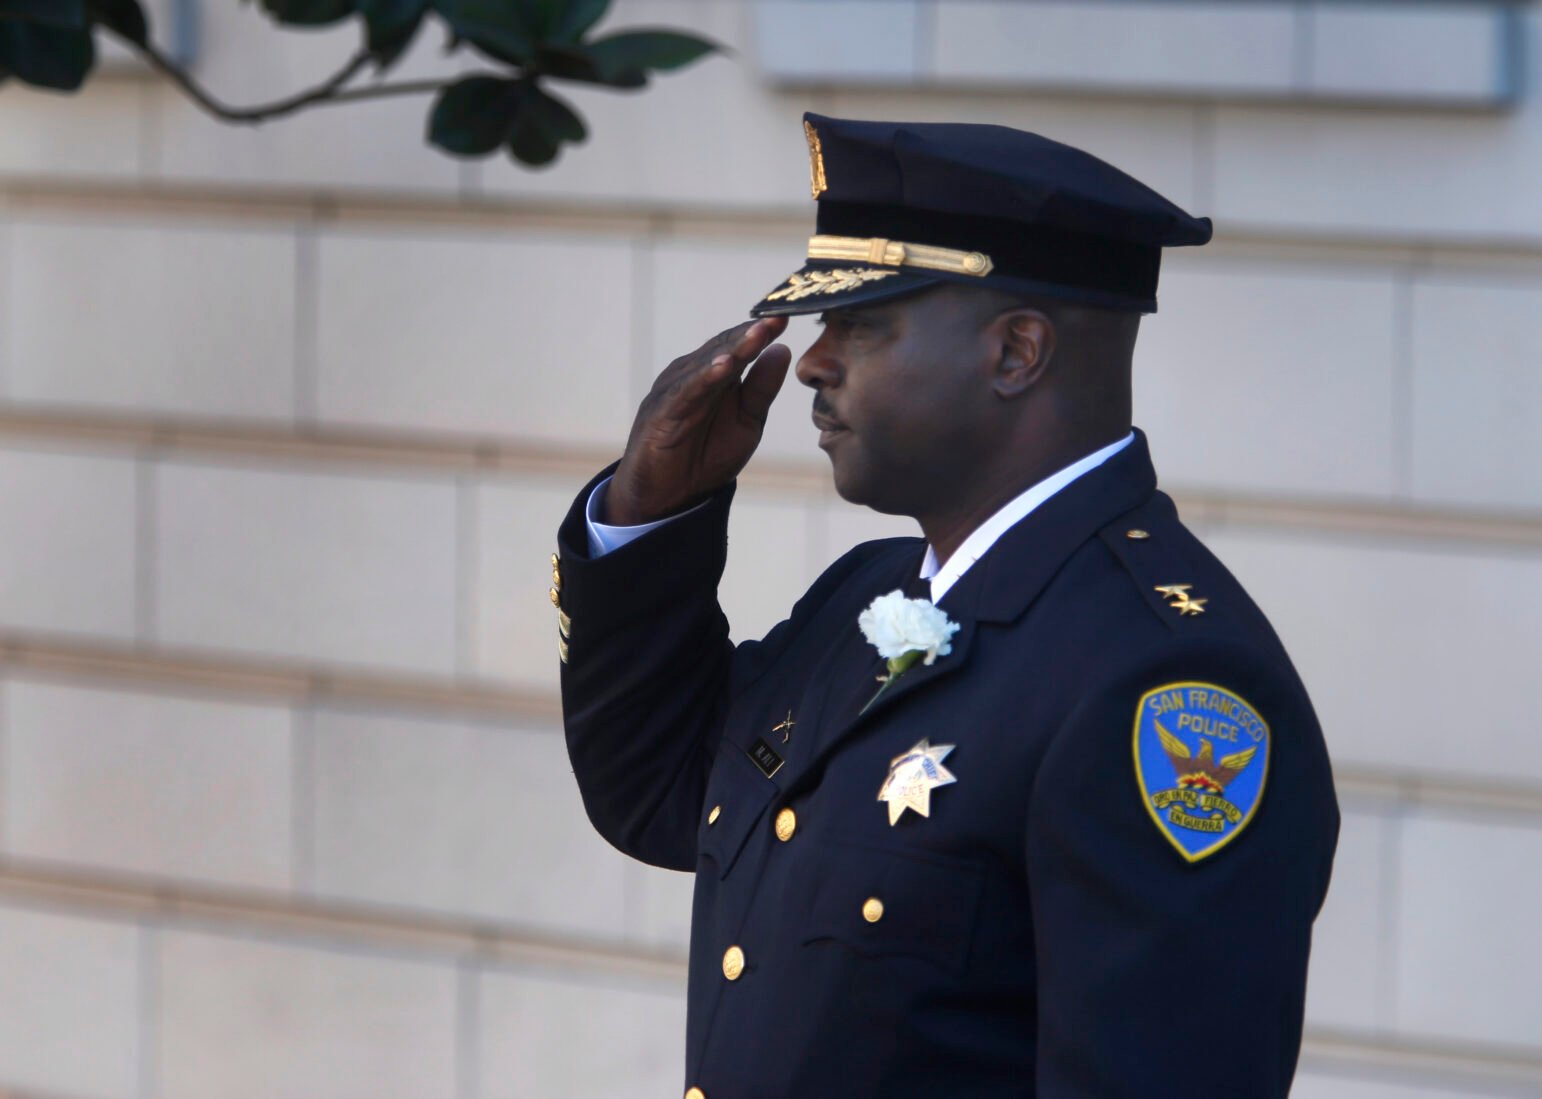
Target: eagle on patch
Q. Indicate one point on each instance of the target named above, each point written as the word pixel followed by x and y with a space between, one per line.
pixel 1204 771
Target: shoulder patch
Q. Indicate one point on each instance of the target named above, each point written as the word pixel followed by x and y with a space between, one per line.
pixel 1201 760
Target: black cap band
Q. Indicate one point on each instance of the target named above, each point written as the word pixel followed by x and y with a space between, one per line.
pixel 1020 252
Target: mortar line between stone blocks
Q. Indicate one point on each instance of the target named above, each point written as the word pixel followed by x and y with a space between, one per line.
pixel 469 181
pixel 6 327
pixel 632 899
pixel 306 306
pixel 924 49
pixel 467 1029
pixel 1388 942
pixel 1303 44
pixel 467 575
pixel 1402 383
pixel 1511 29
pixel 5 762
pixel 302 801
pixel 145 547
pixel 644 262
pixel 1204 158
pixel 149 1009
pixel 817 550
pixel 151 133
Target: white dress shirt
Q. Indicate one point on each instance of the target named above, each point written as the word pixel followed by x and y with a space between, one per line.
pixel 944 574
pixel 604 537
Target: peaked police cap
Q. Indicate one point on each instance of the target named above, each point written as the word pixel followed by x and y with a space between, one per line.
pixel 908 205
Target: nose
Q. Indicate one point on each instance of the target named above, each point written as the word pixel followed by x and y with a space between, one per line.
pixel 817 368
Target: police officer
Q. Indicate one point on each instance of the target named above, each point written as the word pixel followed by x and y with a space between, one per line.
pixel 1035 806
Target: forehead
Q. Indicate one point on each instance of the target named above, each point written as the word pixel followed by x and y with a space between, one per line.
pixel 889 309
pixel 934 303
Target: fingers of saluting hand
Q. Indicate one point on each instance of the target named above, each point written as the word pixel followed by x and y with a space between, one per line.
pixel 763 382
pixel 722 359
pixel 757 337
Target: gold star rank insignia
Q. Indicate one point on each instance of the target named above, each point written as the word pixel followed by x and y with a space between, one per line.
pixel 912 777
pixel 1179 599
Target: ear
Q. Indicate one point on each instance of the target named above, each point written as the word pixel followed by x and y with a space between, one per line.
pixel 1027 341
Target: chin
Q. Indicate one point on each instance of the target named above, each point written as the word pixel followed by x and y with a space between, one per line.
pixel 856 485
pixel 850 485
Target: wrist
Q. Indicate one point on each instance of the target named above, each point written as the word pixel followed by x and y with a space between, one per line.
pixel 619 508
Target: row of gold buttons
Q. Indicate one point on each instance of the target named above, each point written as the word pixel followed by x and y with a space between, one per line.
pixel 785 825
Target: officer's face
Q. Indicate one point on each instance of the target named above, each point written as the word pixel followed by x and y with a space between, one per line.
pixel 903 400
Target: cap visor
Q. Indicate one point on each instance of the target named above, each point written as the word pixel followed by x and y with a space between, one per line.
pixel 820 286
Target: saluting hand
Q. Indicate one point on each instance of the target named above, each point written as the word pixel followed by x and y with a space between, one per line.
pixel 698 426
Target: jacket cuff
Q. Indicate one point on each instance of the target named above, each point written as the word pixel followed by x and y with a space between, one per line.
pixel 685 555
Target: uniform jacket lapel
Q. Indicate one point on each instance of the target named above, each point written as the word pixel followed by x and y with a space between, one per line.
pixel 999 587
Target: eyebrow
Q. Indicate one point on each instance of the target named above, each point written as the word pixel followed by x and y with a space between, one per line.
pixel 853 312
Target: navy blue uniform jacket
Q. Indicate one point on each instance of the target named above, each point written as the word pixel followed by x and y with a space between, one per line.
pixel 1040 935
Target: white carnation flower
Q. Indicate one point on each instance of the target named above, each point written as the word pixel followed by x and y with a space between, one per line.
pixel 896 626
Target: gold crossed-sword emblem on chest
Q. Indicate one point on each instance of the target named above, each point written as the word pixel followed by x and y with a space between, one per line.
pixel 785 728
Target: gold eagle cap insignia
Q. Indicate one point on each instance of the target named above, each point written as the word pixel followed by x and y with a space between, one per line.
pixel 816 161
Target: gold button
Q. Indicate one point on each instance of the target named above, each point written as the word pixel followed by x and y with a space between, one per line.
pixel 562 649
pixel 1137 534
pixel 786 824
pixel 716 812
pixel 695 1093
pixel 556 600
pixel 555 560
pixel 564 623
pixel 872 910
pixel 556 579
pixel 733 963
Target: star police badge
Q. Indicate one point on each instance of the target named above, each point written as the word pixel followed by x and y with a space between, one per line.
pixel 1201 758
pixel 911 778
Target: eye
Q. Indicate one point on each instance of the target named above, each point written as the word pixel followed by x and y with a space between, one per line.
pixel 840 322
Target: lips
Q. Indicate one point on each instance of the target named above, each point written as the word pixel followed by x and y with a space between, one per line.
pixel 824 421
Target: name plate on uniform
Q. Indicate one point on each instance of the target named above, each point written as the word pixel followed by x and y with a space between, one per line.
pixel 765 757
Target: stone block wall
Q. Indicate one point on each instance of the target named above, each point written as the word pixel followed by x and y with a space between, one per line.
pixel 287 417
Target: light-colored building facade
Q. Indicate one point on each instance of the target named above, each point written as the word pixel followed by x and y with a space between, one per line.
pixel 288 415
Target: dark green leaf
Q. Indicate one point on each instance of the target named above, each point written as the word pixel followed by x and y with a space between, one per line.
pixel 472 117
pixel 577 19
pixel 569 64
pixel 574 63
pixel 55 13
pixel 50 57
pixel 555 115
pixel 529 144
pixel 310 13
pixel 390 26
pixel 543 16
pixel 631 50
pixel 125 17
pixel 496 27
pixel 542 124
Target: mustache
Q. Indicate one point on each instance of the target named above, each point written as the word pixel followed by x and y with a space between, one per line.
pixel 822 408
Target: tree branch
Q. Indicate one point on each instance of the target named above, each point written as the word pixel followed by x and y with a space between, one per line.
pixel 330 90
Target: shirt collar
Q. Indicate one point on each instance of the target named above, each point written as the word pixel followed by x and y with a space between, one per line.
pixel 944 575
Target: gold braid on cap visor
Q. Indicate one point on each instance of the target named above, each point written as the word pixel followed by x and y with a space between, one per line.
pixel 874 250
pixel 899 253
